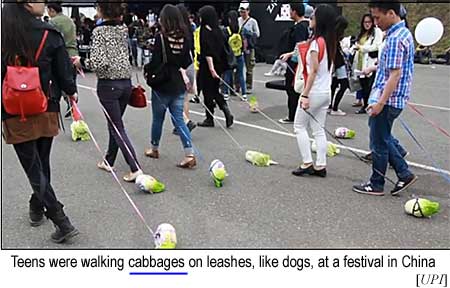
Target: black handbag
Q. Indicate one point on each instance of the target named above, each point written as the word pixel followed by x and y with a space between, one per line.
pixel 373 54
pixel 230 58
pixel 160 75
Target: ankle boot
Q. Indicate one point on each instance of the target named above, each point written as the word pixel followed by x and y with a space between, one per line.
pixel 36 212
pixel 228 116
pixel 64 229
pixel 208 122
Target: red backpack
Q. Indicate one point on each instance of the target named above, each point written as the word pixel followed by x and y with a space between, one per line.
pixel 303 51
pixel 22 91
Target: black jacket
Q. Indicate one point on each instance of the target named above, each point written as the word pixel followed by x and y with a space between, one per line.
pixel 54 65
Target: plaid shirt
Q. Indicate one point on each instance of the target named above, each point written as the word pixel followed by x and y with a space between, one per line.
pixel 398 53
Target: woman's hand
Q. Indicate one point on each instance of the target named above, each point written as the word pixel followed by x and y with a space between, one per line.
pixel 74 97
pixel 76 60
pixel 304 103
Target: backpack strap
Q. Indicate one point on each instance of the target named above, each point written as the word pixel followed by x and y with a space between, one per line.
pixel 321 43
pixel 303 49
pixel 41 46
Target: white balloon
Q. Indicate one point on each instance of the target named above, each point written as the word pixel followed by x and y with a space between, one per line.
pixel 429 31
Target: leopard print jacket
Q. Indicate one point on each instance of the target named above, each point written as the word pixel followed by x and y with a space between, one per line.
pixel 109 57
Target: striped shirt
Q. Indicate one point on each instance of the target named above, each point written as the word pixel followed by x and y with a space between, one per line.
pixel 398 53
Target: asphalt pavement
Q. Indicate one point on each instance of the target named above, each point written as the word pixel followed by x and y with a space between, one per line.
pixel 257 207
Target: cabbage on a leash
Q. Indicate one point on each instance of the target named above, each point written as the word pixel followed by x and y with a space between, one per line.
pixel 332 149
pixel 344 133
pixel 80 131
pixel 217 172
pixel 253 104
pixel 259 159
pixel 147 183
pixel 420 207
pixel 165 237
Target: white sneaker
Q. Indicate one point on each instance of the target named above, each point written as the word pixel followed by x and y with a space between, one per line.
pixel 338 113
pixel 244 97
pixel 226 97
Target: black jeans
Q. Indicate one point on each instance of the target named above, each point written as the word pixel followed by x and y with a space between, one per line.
pixel 34 156
pixel 114 96
pixel 211 92
pixel 366 88
pixel 343 86
pixel 292 95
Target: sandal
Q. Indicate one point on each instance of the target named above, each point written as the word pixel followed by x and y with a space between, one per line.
pixel 102 165
pixel 152 153
pixel 131 177
pixel 188 164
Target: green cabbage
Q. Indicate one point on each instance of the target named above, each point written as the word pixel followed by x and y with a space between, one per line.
pixel 80 131
pixel 415 206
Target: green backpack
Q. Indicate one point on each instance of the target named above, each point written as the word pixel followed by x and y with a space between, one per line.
pixel 235 42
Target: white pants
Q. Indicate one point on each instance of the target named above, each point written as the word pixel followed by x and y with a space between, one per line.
pixel 318 105
pixel 140 53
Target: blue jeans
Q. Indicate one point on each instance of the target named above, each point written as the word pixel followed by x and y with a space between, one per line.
pixel 174 103
pixel 385 148
pixel 240 74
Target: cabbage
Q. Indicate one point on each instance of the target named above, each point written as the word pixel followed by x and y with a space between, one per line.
pixel 332 149
pixel 253 104
pixel 147 183
pixel 80 131
pixel 165 237
pixel 217 172
pixel 344 133
pixel 420 207
pixel 259 159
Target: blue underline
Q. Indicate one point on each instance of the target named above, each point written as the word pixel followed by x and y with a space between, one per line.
pixel 158 273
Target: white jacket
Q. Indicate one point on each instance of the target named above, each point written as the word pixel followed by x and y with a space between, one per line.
pixel 372 44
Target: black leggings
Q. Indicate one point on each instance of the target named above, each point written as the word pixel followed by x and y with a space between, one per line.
pixel 366 87
pixel 343 86
pixel 35 159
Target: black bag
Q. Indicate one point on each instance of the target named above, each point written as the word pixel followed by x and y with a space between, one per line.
pixel 160 75
pixel 230 58
pixel 373 54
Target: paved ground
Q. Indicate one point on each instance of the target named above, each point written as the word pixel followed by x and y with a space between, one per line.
pixel 257 207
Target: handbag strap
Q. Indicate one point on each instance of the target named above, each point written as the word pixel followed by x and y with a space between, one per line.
pixel 163 46
pixel 41 46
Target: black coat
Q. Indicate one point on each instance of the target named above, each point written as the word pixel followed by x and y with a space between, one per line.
pixel 54 65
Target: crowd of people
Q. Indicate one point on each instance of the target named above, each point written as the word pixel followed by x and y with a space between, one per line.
pixel 198 58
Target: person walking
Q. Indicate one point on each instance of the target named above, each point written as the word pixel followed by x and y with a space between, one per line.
pixel 250 33
pixel 109 60
pixel 212 55
pixel 317 58
pixel 67 27
pixel 173 47
pixel 389 97
pixel 234 38
pixel 341 66
pixel 297 33
pixel 366 49
pixel 29 41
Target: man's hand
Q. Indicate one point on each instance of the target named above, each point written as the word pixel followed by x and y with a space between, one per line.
pixel 214 74
pixel 375 109
pixel 285 57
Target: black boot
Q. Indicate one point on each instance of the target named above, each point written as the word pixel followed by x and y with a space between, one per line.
pixel 209 121
pixel 36 212
pixel 64 229
pixel 228 116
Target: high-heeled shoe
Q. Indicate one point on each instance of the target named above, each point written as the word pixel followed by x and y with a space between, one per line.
pixel 152 153
pixel 131 177
pixel 188 164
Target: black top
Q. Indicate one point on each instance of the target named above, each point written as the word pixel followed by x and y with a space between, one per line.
pixel 54 65
pixel 339 58
pixel 178 56
pixel 212 45
pixel 297 33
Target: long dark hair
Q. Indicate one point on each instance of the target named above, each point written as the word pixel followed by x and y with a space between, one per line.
pixel 341 25
pixel 185 15
pixel 172 23
pixel 16 23
pixel 233 21
pixel 209 17
pixel 325 16
pixel 363 30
